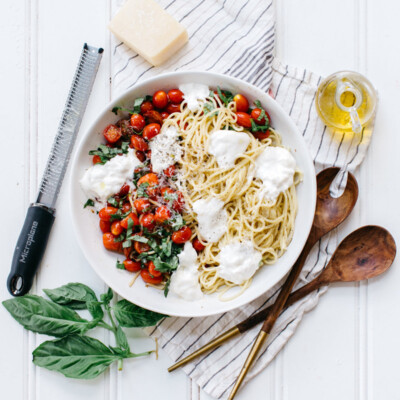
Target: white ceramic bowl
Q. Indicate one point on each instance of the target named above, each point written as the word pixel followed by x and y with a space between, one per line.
pixel 86 223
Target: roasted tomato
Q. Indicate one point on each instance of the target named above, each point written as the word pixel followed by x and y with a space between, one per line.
pixel 132 266
pixel 162 214
pixel 170 171
pixel 261 135
pixel 109 243
pixel 152 269
pixel 112 133
pixel 151 130
pixel 153 117
pixel 148 278
pixel 124 190
pixel 172 108
pixel 96 159
pixel 152 180
pixel 138 143
pixel 133 217
pixel 106 212
pixel 147 221
pixel 198 246
pixel 160 99
pixel 175 96
pixel 182 236
pixel 105 226
pixel 141 205
pixel 242 104
pixel 255 114
pixel 146 106
pixel 116 228
pixel 137 122
pixel 164 115
pixel 141 247
pixel 243 119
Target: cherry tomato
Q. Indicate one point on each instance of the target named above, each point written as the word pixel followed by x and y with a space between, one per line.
pixel 182 236
pixel 165 190
pixel 140 155
pixel 148 154
pixel 172 108
pixel 124 190
pixel 132 266
pixel 150 131
pixel 255 114
pixel 242 104
pixel 261 135
pixel 137 122
pixel 112 133
pixel 141 247
pixel 105 226
pixel 126 207
pixel 127 251
pixel 164 115
pixel 138 143
pixel 96 159
pixel 146 106
pixel 149 178
pixel 175 96
pixel 146 276
pixel 153 117
pixel 147 221
pixel 170 171
pixel 160 99
pixel 106 212
pixel 133 217
pixel 141 205
pixel 109 243
pixel 116 228
pixel 198 246
pixel 162 214
pixel 243 119
pixel 179 204
pixel 152 270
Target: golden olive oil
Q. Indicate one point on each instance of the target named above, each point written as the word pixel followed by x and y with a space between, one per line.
pixel 346 101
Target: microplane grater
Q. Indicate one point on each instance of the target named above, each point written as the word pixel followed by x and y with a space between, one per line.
pixel 39 220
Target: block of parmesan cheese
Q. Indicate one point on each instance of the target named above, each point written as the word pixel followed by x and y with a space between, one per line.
pixel 149 30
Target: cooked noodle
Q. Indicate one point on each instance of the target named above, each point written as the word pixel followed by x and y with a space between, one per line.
pixel 269 226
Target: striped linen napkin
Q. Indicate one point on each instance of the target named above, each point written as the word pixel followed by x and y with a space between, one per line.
pixel 237 38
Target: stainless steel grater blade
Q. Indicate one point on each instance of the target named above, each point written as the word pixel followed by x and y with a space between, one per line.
pixel 35 232
pixel 69 125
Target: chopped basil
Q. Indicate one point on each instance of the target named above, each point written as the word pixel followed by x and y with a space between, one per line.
pixel 225 96
pixel 107 153
pixel 120 265
pixel 89 203
pixel 166 287
pixel 141 191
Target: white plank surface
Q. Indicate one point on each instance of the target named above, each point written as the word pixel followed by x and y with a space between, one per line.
pixel 347 347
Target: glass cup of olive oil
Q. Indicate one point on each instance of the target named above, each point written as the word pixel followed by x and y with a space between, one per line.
pixel 346 101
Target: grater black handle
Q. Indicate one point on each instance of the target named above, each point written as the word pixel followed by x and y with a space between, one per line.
pixel 30 248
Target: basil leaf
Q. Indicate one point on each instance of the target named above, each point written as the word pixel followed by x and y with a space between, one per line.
pixel 43 316
pixel 79 357
pixel 121 339
pixel 132 316
pixel 89 203
pixel 73 295
pixel 166 287
pixel 107 297
pixel 94 307
pixel 171 264
pixel 120 265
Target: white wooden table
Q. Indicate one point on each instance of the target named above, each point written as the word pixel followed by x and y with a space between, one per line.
pixel 348 347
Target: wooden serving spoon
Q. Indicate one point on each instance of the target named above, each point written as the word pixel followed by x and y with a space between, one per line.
pixel 330 212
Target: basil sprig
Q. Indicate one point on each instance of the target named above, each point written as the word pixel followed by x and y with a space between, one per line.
pixel 74 354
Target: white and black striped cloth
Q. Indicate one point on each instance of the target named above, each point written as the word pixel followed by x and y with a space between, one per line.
pixel 237 38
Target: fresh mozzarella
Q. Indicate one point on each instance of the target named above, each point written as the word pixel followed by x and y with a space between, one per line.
pixel 226 146
pixel 194 94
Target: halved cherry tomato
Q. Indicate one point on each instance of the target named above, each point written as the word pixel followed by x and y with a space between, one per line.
pixel 164 115
pixel 141 247
pixel 170 171
pixel 132 266
pixel 148 278
pixel 109 243
pixel 106 212
pixel 182 236
pixel 243 119
pixel 255 114
pixel 242 104
pixel 140 155
pixel 148 154
pixel 124 190
pixel 179 204
pixel 141 205
pixel 150 178
pixel 127 251
pixel 152 270
pixel 126 207
pixel 261 135
pixel 116 228
pixel 153 117
pixel 172 108
pixel 160 99
pixel 133 217
pixel 150 131
pixel 162 214
pixel 112 133
pixel 96 159
pixel 175 96
pixel 137 122
pixel 147 221
pixel 146 106
pixel 198 246
pixel 105 226
pixel 138 143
